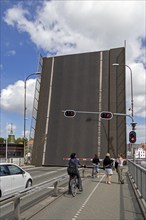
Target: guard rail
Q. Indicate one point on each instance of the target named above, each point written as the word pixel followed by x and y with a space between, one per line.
pixel 137 176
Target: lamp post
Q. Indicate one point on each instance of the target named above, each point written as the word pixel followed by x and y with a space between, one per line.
pixel 133 123
pixel 117 64
pixel 25 108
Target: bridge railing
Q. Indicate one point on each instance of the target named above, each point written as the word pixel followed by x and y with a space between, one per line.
pixel 18 197
pixel 138 174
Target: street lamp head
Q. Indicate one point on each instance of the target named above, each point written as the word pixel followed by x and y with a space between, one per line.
pixel 115 64
pixel 32 74
pixel 38 73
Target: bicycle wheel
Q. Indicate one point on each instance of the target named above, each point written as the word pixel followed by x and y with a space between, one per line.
pixel 73 187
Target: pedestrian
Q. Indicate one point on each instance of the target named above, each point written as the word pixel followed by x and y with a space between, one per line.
pixel 107 164
pixel 73 170
pixel 119 168
pixel 95 168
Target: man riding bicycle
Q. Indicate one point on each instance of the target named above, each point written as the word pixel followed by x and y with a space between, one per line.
pixel 73 170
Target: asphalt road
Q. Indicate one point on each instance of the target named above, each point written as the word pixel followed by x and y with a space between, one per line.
pixel 41 174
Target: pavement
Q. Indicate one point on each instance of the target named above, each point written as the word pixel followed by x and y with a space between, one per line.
pixel 98 201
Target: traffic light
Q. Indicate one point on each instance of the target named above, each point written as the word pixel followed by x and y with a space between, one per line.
pixel 69 113
pixel 106 115
pixel 132 137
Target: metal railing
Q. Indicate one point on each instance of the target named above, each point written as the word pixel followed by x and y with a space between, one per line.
pixel 17 197
pixel 138 174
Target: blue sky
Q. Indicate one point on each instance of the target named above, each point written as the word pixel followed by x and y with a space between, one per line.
pixel 29 28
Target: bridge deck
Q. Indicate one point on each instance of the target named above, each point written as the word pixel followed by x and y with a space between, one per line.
pixel 98 201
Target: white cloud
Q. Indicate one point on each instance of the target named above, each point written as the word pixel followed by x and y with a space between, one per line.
pixel 63 27
pixel 86 25
pixel 12 97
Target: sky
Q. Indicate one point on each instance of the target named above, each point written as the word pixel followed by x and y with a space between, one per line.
pixel 29 28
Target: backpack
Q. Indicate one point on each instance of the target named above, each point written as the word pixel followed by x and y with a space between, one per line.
pixel 71 168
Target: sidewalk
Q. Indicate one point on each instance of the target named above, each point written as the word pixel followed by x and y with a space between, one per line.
pixel 113 201
pixel 117 201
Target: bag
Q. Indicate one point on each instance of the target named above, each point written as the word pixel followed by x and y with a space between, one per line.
pixel 71 168
pixel 109 166
pixel 116 164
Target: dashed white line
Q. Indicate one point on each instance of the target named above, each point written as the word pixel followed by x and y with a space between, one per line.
pixel 83 205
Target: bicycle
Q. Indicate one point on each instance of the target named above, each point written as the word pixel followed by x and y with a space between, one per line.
pixel 73 185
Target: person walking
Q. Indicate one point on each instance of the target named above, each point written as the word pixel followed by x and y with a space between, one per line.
pixel 107 164
pixel 119 168
pixel 95 168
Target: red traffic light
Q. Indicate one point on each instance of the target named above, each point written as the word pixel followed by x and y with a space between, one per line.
pixel 69 113
pixel 106 115
pixel 132 137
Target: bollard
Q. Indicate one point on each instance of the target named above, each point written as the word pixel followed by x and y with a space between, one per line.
pixel 55 189
pixel 17 207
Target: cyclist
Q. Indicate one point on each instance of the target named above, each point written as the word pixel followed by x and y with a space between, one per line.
pixel 95 168
pixel 73 171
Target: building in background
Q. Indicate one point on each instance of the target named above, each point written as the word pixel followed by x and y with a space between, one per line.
pixel 10 151
pixel 82 82
pixel 140 153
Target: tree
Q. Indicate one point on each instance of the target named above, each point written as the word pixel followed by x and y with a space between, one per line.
pixel 2 140
pixel 20 140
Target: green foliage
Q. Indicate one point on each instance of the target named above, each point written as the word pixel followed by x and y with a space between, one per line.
pixel 19 140
pixel 2 140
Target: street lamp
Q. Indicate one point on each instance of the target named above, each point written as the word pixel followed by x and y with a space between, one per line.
pixel 117 64
pixel 25 108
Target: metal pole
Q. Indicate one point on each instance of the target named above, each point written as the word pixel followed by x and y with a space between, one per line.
pixel 6 149
pixel 6 158
pixel 25 108
pixel 17 207
pixel 132 101
pixel 121 114
pixel 117 114
pixel 131 90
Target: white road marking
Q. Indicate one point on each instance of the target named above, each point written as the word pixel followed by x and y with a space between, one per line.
pixel 83 205
pixel 45 174
pixel 64 168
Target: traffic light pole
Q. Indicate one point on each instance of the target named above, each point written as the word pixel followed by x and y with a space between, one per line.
pixel 97 113
pixel 83 112
pixel 121 114
pixel 72 113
